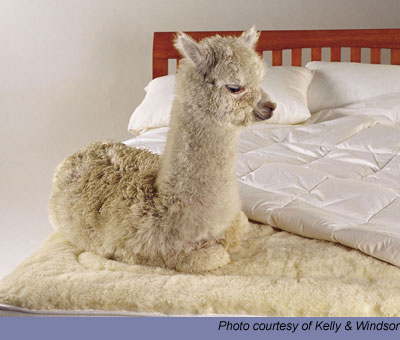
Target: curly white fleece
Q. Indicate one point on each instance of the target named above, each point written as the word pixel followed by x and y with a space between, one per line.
pixel 177 211
pixel 271 273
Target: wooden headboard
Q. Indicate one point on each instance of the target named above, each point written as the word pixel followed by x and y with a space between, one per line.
pixel 277 41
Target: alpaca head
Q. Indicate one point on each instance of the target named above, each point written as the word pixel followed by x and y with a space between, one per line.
pixel 224 74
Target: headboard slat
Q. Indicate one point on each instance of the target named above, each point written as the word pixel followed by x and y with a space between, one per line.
pixel 277 58
pixel 296 57
pixel 316 54
pixel 336 54
pixel 395 56
pixel 355 54
pixel 375 55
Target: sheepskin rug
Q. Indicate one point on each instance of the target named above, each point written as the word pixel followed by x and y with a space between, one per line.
pixel 272 273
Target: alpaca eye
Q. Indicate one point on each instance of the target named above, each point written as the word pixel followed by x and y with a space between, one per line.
pixel 235 89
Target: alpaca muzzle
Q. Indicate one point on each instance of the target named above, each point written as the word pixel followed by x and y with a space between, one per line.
pixel 264 110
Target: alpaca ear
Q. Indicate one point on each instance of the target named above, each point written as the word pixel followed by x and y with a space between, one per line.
pixel 250 37
pixel 192 50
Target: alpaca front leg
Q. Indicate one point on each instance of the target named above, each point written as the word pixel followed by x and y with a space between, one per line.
pixel 236 231
pixel 207 257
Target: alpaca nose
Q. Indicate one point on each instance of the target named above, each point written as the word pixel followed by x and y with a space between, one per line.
pixel 264 110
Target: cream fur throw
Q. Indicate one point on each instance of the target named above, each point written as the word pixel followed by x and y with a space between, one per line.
pixel 272 273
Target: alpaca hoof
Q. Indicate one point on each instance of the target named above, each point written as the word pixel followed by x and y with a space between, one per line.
pixel 237 231
pixel 204 259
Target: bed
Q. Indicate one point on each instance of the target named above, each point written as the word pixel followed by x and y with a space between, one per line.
pixel 320 183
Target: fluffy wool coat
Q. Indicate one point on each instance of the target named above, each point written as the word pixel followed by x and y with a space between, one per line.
pixel 181 211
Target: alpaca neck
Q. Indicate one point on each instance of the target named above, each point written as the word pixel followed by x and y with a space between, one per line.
pixel 198 166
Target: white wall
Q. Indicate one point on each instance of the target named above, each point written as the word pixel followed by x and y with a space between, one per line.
pixel 71 72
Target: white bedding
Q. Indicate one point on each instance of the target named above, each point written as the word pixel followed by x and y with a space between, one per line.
pixel 335 177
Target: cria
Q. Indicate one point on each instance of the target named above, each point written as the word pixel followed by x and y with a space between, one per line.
pixel 181 211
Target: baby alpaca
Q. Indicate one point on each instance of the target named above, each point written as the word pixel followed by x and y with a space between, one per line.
pixel 181 210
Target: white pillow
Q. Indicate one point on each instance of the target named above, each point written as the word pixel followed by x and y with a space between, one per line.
pixel 286 85
pixel 156 106
pixel 336 84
